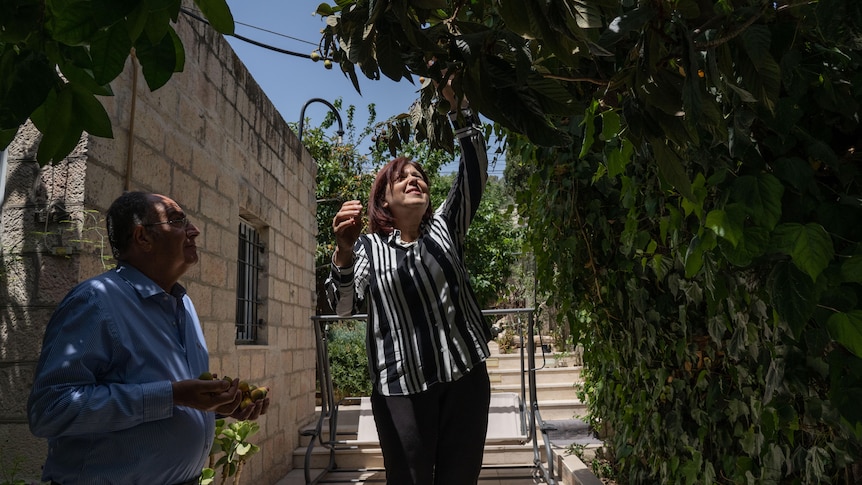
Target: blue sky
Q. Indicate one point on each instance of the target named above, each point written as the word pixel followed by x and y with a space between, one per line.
pixel 291 81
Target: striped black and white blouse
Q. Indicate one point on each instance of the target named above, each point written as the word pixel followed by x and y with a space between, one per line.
pixel 424 323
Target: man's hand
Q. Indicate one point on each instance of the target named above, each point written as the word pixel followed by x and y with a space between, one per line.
pixel 252 411
pixel 218 395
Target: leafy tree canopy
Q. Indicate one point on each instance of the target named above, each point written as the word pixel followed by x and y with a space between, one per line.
pixel 56 56
pixel 689 173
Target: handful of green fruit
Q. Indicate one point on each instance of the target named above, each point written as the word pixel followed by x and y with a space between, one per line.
pixel 250 393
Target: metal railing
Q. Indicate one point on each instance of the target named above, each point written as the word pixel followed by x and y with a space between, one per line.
pixel 531 419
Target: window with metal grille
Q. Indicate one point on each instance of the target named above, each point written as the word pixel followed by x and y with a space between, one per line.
pixel 249 257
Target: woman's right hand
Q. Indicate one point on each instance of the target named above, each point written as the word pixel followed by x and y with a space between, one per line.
pixel 347 225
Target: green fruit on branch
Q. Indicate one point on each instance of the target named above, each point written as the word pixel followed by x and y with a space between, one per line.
pixel 327 64
pixel 443 107
pixel 315 56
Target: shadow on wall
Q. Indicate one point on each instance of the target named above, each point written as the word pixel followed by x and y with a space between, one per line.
pixel 37 269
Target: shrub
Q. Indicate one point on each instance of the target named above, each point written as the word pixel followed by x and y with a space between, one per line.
pixel 348 359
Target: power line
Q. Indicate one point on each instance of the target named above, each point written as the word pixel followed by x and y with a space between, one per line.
pixel 275 33
pixel 250 41
pixel 499 158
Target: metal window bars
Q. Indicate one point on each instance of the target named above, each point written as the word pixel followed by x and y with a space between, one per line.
pixel 531 419
pixel 247 282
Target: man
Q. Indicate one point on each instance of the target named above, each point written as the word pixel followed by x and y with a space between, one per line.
pixel 116 391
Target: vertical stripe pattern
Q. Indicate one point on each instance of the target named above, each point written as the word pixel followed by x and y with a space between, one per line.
pixel 424 323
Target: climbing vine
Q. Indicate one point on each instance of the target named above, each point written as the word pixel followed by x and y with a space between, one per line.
pixel 689 173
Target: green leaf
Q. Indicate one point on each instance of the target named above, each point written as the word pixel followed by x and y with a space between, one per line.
pixel 107 13
pixel 751 441
pixel 809 246
pixel 793 295
pixel 726 223
pixel 761 196
pixel 610 124
pixel 207 476
pixel 517 17
pixel 6 137
pixel 110 50
pixel 158 18
pixel 70 21
pixel 91 114
pixel 589 129
pixel 756 41
pixel 753 244
pixel 324 10
pixel 794 171
pixel 389 57
pixel 762 75
pixel 693 257
pixel 57 122
pixel 689 9
pixel 218 15
pixel 671 167
pixel 626 24
pixel 26 79
pixel 83 79
pixel 851 269
pixel 136 21
pixel 618 158
pixel 160 61
pixel 846 329
pixel 429 4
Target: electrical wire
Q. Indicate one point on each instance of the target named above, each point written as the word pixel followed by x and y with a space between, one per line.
pixel 196 16
pixel 251 41
pixel 274 33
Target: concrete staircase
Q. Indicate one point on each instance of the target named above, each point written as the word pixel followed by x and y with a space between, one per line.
pixel 510 456
pixel 555 386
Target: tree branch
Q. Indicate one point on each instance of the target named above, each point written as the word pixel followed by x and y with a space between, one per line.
pixel 597 82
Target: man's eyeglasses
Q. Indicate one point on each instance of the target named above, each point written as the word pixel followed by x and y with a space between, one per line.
pixel 178 223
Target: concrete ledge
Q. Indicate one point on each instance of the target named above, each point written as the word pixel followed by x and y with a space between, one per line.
pixel 575 472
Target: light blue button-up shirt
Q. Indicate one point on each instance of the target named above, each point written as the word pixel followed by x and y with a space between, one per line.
pixel 102 389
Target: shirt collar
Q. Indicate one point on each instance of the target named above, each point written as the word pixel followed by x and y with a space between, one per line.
pixel 394 237
pixel 146 287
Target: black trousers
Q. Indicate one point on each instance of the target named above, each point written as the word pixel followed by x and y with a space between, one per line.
pixel 436 437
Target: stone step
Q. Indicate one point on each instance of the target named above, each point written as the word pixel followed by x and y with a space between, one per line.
pixel 545 392
pixel 348 420
pixel 367 456
pixel 562 409
pixel 490 475
pixel 357 444
pixel 542 358
pixel 358 458
pixel 548 375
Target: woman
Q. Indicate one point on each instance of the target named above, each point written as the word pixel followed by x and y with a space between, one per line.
pixel 427 339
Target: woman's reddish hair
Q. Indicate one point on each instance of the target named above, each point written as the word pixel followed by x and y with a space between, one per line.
pixel 379 217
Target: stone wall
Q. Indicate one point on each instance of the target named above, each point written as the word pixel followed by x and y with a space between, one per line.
pixel 211 140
